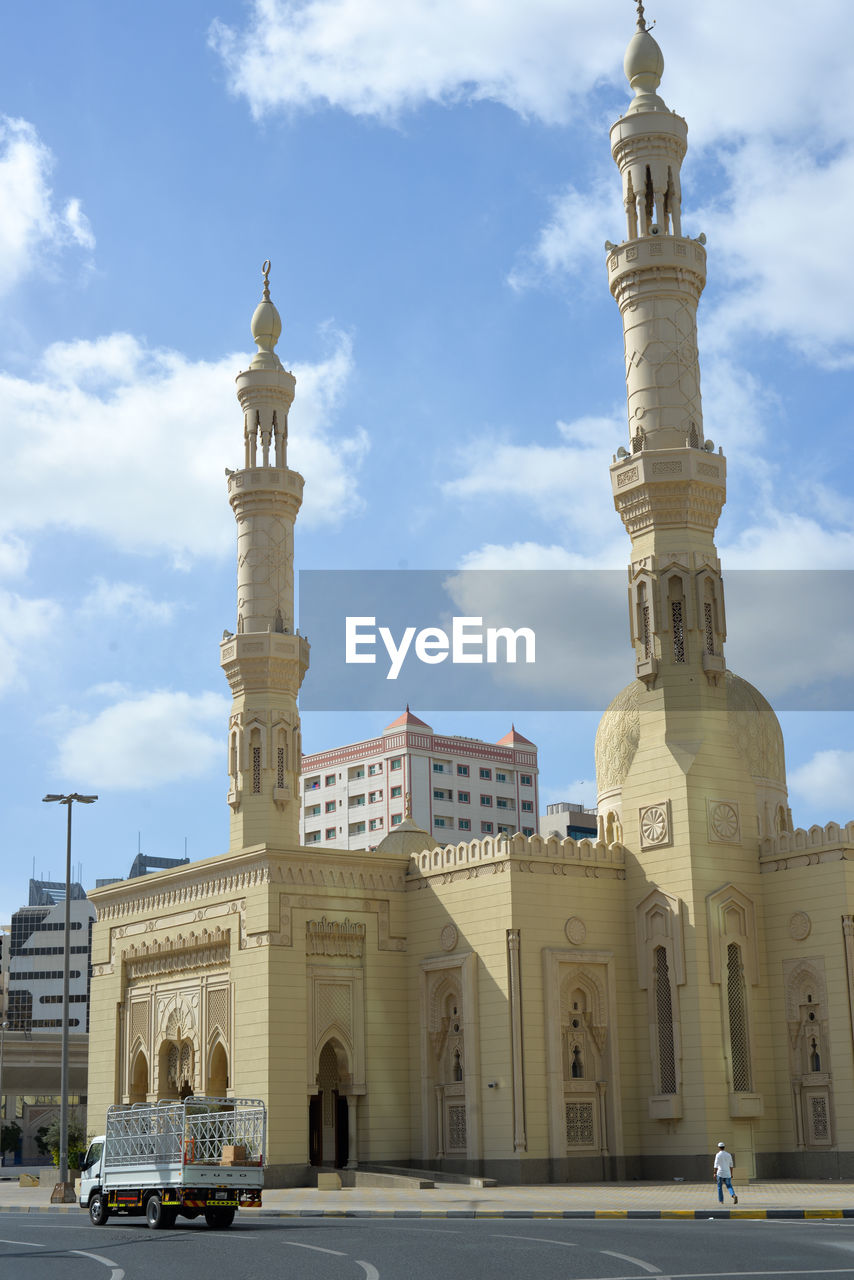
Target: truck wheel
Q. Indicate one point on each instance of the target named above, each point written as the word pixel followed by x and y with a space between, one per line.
pixel 98 1211
pixel 219 1219
pixel 157 1214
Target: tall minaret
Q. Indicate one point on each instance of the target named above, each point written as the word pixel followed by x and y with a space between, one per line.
pixel 689 757
pixel 669 486
pixel 266 661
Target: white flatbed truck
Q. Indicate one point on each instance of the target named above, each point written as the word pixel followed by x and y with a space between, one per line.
pixel 199 1156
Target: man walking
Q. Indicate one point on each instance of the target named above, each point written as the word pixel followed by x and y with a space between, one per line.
pixel 723 1172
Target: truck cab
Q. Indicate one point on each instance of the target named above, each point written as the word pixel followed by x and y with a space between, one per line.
pixel 91 1171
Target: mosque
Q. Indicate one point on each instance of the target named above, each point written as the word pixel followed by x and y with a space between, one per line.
pixel 528 1008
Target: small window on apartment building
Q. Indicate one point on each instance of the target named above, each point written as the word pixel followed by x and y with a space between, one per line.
pixel 312 784
pixel 330 806
pixel 463 797
pixel 358 771
pixel 486 828
pixel 374 796
pixel 442 821
pixel 312 837
pixel 526 779
pixel 330 833
pixel 502 777
pixel 440 794
pixel 486 774
pixel 395 763
pixel 396 818
pixel 329 780
pixel 356 828
pixel 527 831
pixel 374 769
pixel 504 830
pixel 462 770
pixel 527 806
pixel 375 824
pixel 312 810
pixel 464 824
pixel 396 793
pixel 486 801
pixel 355 801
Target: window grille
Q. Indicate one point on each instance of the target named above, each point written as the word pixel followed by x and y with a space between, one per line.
pixel 256 770
pixel 579 1124
pixel 818 1117
pixel 647 648
pixel 280 768
pixel 678 630
pixel 664 1020
pixel 739 1047
pixel 710 628
pixel 457 1127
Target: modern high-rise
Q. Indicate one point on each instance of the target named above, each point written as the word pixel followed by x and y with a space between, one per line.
pixel 451 786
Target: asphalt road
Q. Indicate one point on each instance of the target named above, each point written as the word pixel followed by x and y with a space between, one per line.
pixel 63 1247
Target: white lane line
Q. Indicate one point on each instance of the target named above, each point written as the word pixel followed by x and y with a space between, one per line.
pixel 627 1257
pixel 30 1244
pixel 371 1272
pixel 116 1272
pixel 566 1244
pixel 315 1248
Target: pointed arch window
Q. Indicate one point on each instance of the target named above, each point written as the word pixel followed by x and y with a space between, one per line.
pixel 737 1014
pixel 664 1023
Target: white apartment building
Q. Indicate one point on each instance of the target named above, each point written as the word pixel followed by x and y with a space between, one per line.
pixel 456 788
pixel 35 971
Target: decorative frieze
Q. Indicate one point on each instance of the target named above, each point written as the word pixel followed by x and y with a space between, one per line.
pixel 335 938
pixel 173 954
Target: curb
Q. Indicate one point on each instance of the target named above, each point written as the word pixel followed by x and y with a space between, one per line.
pixel 696 1215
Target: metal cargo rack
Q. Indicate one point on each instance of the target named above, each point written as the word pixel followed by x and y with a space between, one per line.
pixel 190 1132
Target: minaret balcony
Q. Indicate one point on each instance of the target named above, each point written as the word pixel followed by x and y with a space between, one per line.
pixel 264 660
pixel 669 488
pixel 657 252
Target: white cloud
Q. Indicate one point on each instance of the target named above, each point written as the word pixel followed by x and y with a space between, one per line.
pixel 146 741
pixel 130 443
pixel 573 240
pixel 125 599
pixel 14 557
pixel 826 782
pixel 24 624
pixel 374 59
pixel 30 223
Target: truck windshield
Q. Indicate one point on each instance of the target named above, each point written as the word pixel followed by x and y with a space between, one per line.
pixel 93 1155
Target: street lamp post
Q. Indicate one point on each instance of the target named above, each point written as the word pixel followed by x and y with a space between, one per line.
pixel 65 1190
pixel 4 1026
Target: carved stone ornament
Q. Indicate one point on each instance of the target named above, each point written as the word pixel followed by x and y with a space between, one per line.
pixel 334 938
pixel 449 937
pixel 575 930
pixel 654 823
pixel 724 823
pixel 799 926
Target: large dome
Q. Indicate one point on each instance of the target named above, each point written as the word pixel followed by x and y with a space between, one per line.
pixel 752 723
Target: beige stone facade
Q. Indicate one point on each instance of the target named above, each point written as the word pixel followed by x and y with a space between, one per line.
pixel 527 1007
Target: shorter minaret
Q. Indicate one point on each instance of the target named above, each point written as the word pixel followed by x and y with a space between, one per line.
pixel 266 660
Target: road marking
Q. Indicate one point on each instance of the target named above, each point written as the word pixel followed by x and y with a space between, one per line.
pixel 116 1271
pixel 30 1244
pixel 371 1272
pixel 627 1257
pixel 315 1248
pixel 566 1244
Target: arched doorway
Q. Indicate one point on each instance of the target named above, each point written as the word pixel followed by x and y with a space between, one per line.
pixel 176 1066
pixel 139 1078
pixel 218 1072
pixel 328 1111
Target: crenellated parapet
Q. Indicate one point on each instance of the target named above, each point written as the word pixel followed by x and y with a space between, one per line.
pixel 808 848
pixel 516 853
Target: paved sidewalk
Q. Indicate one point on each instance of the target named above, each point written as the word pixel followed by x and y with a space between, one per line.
pixel 589 1200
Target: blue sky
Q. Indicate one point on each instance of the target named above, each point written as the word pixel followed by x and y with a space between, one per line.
pixel 433 184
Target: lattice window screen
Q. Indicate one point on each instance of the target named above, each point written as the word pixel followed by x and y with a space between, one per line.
pixel 664 1020
pixel 645 635
pixel 139 1021
pixel 456 1126
pixel 739 1046
pixel 710 628
pixel 256 770
pixel 280 768
pixel 218 1009
pixel 678 630
pixel 579 1124
pixel 819 1123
